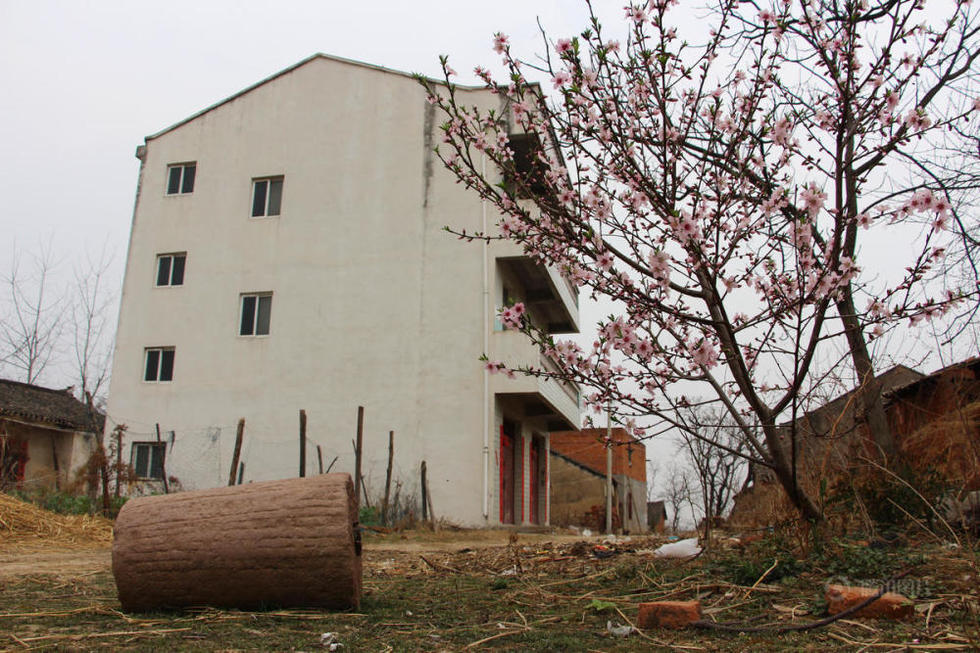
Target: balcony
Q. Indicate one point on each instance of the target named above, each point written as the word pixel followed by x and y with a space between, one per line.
pixel 554 400
pixel 546 293
pixel 546 289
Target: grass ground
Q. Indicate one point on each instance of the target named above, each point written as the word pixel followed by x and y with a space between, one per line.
pixel 478 590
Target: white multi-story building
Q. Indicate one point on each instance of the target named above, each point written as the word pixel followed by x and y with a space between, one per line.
pixel 288 252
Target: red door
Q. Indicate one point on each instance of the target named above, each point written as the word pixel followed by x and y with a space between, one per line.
pixel 535 479
pixel 506 477
pixel 13 462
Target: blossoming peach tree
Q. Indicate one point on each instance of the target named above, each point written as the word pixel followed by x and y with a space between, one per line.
pixel 716 194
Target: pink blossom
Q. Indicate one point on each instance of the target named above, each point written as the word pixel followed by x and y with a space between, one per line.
pixel 781 132
pixel 500 42
pixel 604 260
pixel 636 14
pixel 921 200
pixel 864 220
pixel 564 46
pixel 644 350
pixel 493 366
pixel 917 119
pixel 848 269
pixel 891 100
pixel 767 16
pixel 511 316
pixel 976 104
pixel 813 199
pixel 704 355
pixel 561 79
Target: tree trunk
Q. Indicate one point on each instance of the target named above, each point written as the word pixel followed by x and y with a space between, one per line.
pixel 784 473
pixel 870 405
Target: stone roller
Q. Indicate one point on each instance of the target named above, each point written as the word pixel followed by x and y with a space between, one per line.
pixel 290 543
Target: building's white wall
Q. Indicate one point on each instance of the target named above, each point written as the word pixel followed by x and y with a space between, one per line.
pixel 373 303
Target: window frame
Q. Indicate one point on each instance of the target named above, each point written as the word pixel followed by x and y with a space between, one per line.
pixel 149 447
pixel 256 310
pixel 173 256
pixel 182 182
pixel 159 364
pixel 268 182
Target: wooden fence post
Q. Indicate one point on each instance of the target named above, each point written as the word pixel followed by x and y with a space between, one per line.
pixel 237 454
pixel 391 455
pixel 119 434
pixel 425 498
pixel 302 443
pixel 166 485
pixel 357 455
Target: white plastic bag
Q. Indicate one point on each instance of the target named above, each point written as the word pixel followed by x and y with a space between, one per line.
pixel 681 549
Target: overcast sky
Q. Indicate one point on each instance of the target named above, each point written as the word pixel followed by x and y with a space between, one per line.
pixel 84 82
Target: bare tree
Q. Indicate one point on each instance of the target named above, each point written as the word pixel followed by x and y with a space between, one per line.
pixel 717 456
pixel 653 474
pixel 90 320
pixel 32 322
pixel 677 491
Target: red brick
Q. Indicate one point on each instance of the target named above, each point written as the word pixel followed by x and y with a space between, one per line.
pixel 889 606
pixel 668 614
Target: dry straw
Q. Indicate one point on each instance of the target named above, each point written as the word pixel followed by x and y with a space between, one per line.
pixel 20 520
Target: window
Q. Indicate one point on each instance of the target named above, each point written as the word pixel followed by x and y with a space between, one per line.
pixel 147 459
pixel 159 364
pixel 526 179
pixel 256 312
pixel 170 269
pixel 266 196
pixel 180 178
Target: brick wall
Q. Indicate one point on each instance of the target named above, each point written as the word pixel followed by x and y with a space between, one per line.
pixel 587 448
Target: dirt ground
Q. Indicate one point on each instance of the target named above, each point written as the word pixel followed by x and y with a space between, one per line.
pixel 498 590
pixel 40 559
pixel 35 557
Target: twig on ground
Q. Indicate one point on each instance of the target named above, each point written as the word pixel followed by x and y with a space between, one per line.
pixel 439 566
pixel 117 633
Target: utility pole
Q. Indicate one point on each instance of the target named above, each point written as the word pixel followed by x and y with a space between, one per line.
pixel 609 461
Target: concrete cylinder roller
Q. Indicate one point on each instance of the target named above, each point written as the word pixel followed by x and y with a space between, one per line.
pixel 290 543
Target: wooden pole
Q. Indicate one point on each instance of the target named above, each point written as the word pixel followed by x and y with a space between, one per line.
pixel 428 500
pixel 237 454
pixel 357 454
pixel 241 472
pixel 302 443
pixel 166 486
pixel 391 455
pixel 425 498
pixel 119 433
pixel 398 489
pixel 367 501
pixel 330 466
pixel 319 458
pixel 54 461
pixel 609 466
